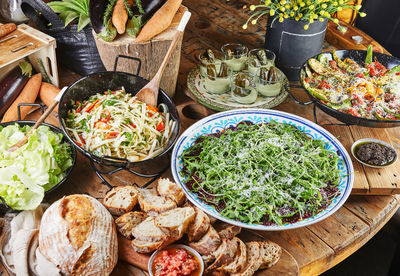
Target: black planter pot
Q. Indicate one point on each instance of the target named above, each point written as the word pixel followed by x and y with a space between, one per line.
pixel 292 44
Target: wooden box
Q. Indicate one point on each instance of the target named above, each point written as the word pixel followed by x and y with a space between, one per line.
pixel 27 42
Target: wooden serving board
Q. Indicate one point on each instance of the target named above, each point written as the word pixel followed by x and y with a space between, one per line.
pixel 286 265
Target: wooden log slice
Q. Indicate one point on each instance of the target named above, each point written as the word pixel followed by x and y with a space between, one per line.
pixel 151 54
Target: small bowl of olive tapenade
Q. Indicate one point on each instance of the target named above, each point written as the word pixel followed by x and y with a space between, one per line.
pixel 374 153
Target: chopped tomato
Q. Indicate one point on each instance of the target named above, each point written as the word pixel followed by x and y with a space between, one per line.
pixel 333 64
pixel 307 80
pixel 132 125
pixel 160 126
pixel 325 85
pixel 90 108
pixel 111 135
pixel 369 97
pixel 105 116
pixel 354 112
pixel 360 75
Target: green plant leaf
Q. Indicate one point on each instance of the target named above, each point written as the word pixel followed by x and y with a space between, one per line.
pixel 71 16
pixel 83 21
pixel 67 5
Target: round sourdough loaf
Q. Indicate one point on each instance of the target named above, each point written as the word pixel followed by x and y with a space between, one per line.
pixel 78 235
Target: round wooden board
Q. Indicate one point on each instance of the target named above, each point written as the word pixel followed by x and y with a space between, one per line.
pixel 286 266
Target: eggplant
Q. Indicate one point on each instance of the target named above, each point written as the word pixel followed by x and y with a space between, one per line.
pixel 100 12
pixel 12 84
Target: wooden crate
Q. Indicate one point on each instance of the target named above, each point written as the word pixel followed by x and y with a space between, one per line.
pixel 27 42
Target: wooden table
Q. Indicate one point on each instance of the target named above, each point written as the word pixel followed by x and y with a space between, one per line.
pixel 316 248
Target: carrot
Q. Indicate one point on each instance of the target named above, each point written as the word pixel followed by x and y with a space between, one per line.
pixel 27 95
pixel 159 21
pixel 120 16
pixel 47 94
pixel 7 28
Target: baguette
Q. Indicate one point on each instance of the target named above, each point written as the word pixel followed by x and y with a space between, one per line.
pixel 208 243
pixel 148 231
pixel 120 16
pixel 224 255
pixel 253 261
pixel 171 190
pixel 240 260
pixel 270 253
pixel 47 94
pixel 199 227
pixel 178 217
pixel 160 21
pixel 150 201
pixel 226 230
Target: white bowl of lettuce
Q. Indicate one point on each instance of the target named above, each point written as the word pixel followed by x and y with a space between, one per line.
pixel 34 169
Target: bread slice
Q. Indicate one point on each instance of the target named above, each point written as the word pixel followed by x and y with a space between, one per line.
pixel 226 230
pixel 270 253
pixel 171 190
pixel 175 218
pixel 147 230
pixel 254 259
pixel 224 255
pixel 208 243
pixel 145 246
pixel 121 199
pixel 240 259
pixel 128 221
pixel 150 201
pixel 199 227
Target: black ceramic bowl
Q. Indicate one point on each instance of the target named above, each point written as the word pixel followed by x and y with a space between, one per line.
pixel 358 56
pixel 56 130
pixel 100 82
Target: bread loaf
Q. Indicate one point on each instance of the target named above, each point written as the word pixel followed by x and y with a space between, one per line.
pixel 78 235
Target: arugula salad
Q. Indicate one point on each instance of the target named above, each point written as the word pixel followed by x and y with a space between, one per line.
pixel 270 173
pixel 34 168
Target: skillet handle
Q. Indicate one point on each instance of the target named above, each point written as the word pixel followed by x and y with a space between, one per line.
pixel 28 104
pixel 294 98
pixel 128 57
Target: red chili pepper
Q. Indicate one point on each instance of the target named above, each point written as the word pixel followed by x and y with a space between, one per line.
pixel 79 144
pixel 90 108
pixel 160 126
pixel 111 135
pixel 132 125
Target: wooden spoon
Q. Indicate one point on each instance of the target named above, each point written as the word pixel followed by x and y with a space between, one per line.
pixel 22 142
pixel 149 93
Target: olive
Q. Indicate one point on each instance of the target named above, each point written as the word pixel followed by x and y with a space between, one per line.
pixel 254 61
pixel 262 57
pixel 223 71
pixel 264 73
pixel 273 74
pixel 229 54
pixel 211 71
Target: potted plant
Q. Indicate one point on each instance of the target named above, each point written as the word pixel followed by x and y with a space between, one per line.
pixel 296 28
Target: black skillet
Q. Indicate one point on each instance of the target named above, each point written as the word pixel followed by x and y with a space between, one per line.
pixel 358 56
pixel 99 82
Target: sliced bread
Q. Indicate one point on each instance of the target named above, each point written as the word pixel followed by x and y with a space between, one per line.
pixel 171 190
pixel 147 230
pixel 224 255
pixel 240 259
pixel 175 218
pixel 150 201
pixel 121 199
pixel 128 221
pixel 270 253
pixel 145 246
pixel 254 259
pixel 208 243
pixel 226 230
pixel 199 227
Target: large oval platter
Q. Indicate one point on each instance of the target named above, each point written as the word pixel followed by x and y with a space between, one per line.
pixel 220 121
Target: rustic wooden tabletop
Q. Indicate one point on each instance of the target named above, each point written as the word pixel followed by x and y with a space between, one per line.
pixel 316 248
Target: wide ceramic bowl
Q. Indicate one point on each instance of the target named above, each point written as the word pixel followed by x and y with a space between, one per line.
pixel 223 120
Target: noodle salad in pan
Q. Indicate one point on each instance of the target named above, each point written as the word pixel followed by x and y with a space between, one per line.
pixel 115 124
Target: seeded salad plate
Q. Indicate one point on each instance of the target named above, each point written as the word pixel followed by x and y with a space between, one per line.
pixel 262 169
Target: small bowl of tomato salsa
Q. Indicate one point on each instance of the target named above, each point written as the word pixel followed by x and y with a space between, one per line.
pixel 177 259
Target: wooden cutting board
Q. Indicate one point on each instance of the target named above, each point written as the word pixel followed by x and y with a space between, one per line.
pixel 286 265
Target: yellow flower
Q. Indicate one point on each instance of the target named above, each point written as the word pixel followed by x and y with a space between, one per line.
pixel 336 20
pixel 363 14
pixel 291 14
pixel 321 19
pixel 311 21
pixel 339 8
pixel 295 8
pixel 308 3
pixel 341 2
pixel 286 15
pixel 305 27
pixel 302 4
pixel 271 12
pixel 287 6
pixel 254 21
pixel 311 7
pixel 281 15
pixel 281 19
pixel 300 15
pixel 327 14
pixel 252 7
pixel 324 6
pixel 282 2
pixel 297 18
pixel 267 2
pixel 282 9
pixel 244 26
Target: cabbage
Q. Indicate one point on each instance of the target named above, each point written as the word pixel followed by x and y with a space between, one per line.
pixel 34 168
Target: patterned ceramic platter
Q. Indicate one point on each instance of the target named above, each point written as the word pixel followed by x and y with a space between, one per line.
pixel 223 120
pixel 223 102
